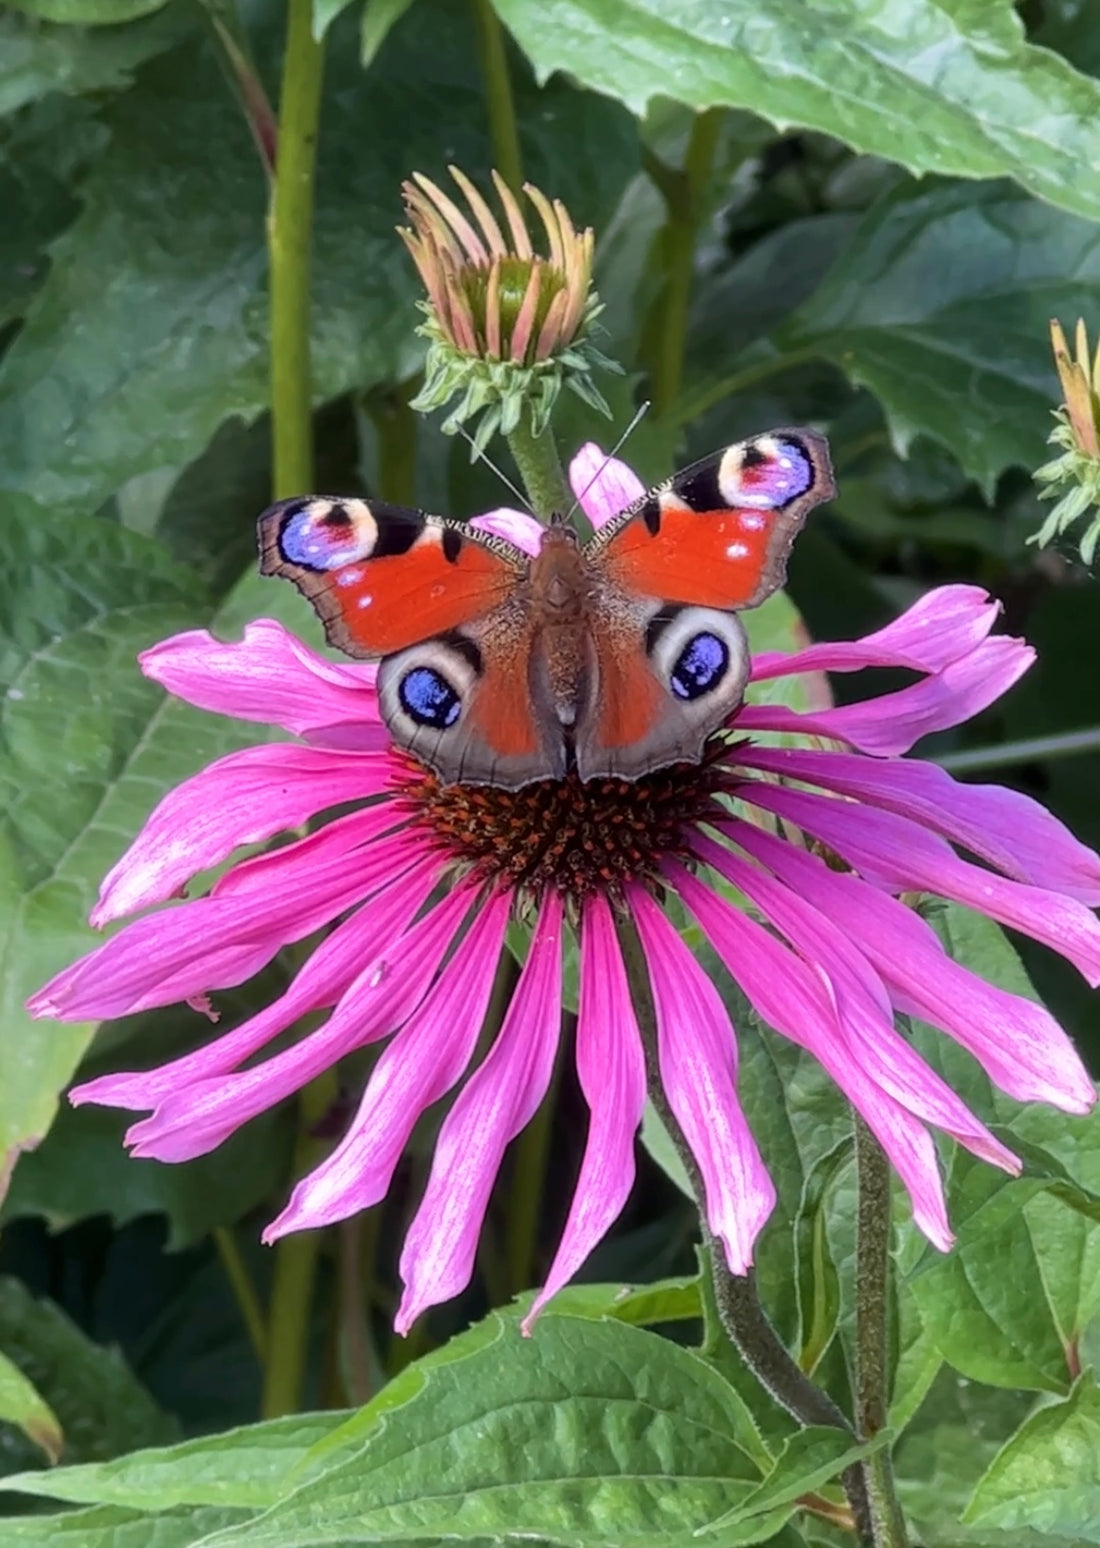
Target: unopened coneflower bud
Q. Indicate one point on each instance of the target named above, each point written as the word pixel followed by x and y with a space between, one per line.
pixel 508 326
pixel 1073 479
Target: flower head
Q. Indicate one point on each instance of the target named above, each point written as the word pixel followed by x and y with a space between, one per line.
pixel 508 327
pixel 418 885
pixel 1078 434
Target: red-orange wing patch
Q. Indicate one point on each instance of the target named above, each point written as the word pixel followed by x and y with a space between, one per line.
pixel 382 577
pixel 719 533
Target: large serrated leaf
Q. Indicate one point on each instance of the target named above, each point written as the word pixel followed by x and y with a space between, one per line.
pixel 948 87
pixel 584 1433
pixel 37 57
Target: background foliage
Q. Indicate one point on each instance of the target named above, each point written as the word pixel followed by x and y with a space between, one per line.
pixel 859 214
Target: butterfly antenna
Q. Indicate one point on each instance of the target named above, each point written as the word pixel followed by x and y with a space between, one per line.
pixel 482 456
pixel 642 411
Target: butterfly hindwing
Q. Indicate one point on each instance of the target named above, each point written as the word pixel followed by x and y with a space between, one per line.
pixel 718 534
pixel 383 577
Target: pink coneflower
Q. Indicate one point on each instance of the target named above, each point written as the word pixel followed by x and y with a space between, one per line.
pixel 419 883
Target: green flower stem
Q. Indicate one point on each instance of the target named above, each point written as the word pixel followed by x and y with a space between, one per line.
pixel 244 1291
pixel 498 91
pixel 525 1207
pixel 683 193
pixel 288 1321
pixel 289 237
pixel 744 1319
pixel 872 1376
pixel 1068 744
pixel 396 427
pixel 540 469
pixel 759 370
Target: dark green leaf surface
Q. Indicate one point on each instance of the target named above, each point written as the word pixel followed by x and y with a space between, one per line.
pixel 105 1526
pixel 88 12
pixel 949 87
pixel 23 1405
pixel 37 57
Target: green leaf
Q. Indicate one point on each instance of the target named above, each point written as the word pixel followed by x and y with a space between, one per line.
pixel 37 57
pixel 944 297
pixel 1048 1475
pixel 78 599
pixel 87 13
pixel 21 1403
pixel 954 90
pixel 246 1467
pixel 105 1526
pixel 213 1190
pixel 585 1432
pixel 667 1300
pixel 111 380
pixel 100 1405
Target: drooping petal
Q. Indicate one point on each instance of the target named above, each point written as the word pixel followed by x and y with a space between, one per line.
pixel 863 1010
pixel 602 485
pixel 520 528
pixel 244 798
pixel 324 977
pixel 1007 829
pixel 383 994
pixel 891 724
pixel 420 1064
pixel 1016 1041
pixel 904 857
pixel 697 1053
pixel 786 995
pixel 611 1070
pixel 941 626
pixel 216 941
pixel 270 676
pixel 498 1100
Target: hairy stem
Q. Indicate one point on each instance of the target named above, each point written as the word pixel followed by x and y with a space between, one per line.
pixel 872 1374
pixel 683 194
pixel 744 1319
pixel 540 468
pixel 289 237
pixel 498 92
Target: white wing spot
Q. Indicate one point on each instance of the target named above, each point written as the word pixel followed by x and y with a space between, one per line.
pixel 751 522
pixel 364 602
pixel 349 577
pixel 737 551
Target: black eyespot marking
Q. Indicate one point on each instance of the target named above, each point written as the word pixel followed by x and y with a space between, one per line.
pixel 428 698
pixel 752 456
pixel 700 666
pixel 465 647
pixel 336 516
pixel 451 544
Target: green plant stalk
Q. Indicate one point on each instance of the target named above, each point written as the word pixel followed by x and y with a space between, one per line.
pixel 396 427
pixel 710 393
pixel 244 1291
pixel 498 92
pixel 1067 744
pixel 288 1321
pixel 531 1158
pixel 539 465
pixel 744 1319
pixel 872 1374
pixel 683 196
pixel 289 239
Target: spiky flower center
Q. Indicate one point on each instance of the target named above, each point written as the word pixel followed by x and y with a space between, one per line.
pixel 576 836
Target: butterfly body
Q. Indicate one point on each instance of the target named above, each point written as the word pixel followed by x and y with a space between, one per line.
pixel 611 657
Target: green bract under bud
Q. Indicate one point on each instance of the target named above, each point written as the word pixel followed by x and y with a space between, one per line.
pixel 508 327
pixel 1073 479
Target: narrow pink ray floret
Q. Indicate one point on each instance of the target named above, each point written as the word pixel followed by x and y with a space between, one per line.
pixel 821 843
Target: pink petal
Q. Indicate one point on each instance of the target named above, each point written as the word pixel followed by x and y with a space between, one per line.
pixel 378 999
pixel 1009 830
pixel 519 528
pixel 344 838
pixel 269 676
pixel 611 1069
pixel 784 993
pixel 421 1063
pixel 943 625
pixel 863 1010
pixel 498 1100
pixel 216 941
pixel 602 485
pixel 697 1053
pixel 890 724
pixel 900 855
pixel 1017 1042
pixel 324 977
pixel 244 798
